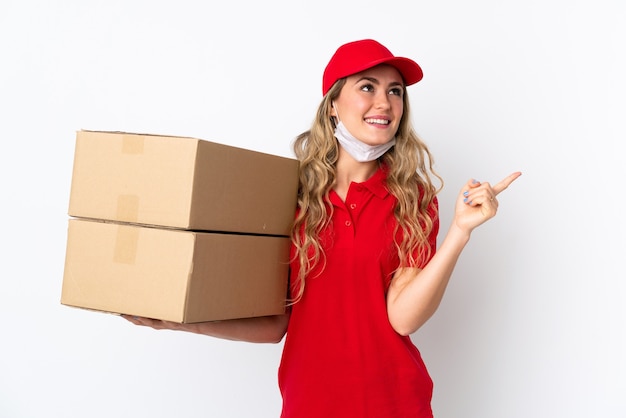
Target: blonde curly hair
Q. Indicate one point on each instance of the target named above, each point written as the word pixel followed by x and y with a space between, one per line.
pixel 409 179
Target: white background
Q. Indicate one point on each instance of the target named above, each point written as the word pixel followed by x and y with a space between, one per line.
pixel 533 324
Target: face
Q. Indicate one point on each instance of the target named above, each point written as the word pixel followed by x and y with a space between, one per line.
pixel 370 104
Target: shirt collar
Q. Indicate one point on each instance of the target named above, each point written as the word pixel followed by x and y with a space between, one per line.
pixel 377 184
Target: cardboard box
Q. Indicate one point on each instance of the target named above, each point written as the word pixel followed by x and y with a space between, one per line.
pixel 183 183
pixel 174 275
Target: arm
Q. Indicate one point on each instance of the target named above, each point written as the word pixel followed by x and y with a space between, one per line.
pixel 415 294
pixel 265 329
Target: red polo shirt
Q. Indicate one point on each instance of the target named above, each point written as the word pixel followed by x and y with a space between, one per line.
pixel 341 356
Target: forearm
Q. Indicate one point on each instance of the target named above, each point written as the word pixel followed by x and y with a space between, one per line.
pixel 266 329
pixel 415 295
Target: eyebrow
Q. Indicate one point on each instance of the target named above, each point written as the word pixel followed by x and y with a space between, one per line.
pixel 376 81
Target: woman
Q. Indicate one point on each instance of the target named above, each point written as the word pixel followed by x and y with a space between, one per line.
pixel 365 272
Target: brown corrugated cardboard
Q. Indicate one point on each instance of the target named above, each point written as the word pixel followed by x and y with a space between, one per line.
pixel 182 182
pixel 172 274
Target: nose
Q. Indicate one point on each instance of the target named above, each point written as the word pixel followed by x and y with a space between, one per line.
pixel 382 100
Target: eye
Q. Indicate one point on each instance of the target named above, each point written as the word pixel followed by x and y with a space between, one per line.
pixel 367 87
pixel 396 91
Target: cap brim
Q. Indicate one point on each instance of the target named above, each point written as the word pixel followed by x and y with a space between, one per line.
pixel 411 72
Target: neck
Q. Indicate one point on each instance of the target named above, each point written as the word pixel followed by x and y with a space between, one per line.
pixel 350 170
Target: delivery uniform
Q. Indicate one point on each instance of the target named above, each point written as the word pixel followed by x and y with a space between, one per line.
pixel 341 356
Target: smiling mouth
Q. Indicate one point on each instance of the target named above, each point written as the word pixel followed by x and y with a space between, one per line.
pixel 378 121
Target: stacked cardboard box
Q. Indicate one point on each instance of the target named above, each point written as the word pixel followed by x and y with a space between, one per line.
pixel 177 228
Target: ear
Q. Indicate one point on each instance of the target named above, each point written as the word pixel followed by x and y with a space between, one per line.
pixel 333 111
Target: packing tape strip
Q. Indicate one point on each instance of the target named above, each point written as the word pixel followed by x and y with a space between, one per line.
pixel 132 144
pixel 128 207
pixel 126 241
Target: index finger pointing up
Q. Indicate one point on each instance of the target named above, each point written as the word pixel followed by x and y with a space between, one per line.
pixel 502 185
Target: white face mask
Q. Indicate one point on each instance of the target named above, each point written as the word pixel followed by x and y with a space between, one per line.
pixel 360 151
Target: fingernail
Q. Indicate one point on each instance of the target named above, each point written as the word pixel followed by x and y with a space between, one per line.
pixel 465 193
pixel 465 200
pixel 474 181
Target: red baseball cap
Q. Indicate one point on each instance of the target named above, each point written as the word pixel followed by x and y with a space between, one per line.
pixel 358 56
